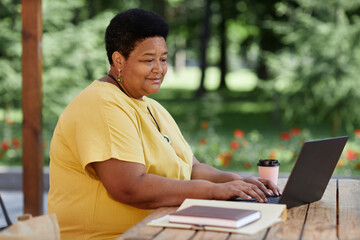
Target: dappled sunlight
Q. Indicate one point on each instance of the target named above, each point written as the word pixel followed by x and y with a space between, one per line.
pixel 189 78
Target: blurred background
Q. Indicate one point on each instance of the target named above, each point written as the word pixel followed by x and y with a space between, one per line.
pixel 246 80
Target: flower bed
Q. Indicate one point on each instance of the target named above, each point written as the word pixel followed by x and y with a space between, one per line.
pixel 243 150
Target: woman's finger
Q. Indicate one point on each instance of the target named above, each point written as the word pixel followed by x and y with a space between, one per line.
pixel 243 195
pixel 271 185
pixel 254 191
pixel 259 184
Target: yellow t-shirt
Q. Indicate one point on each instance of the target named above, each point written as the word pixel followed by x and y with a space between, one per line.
pixel 99 124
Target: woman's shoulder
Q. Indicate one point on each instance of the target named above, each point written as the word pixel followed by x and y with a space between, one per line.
pixel 100 95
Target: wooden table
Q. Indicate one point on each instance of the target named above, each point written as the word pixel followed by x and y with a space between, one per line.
pixel 335 216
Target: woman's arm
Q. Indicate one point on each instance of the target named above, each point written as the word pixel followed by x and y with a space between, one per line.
pixel 129 183
pixel 206 172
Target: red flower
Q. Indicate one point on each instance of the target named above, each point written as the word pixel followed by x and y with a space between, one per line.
pixel 234 145
pixel 351 155
pixel 202 141
pixel 285 136
pixel 295 131
pixel 247 165
pixel 5 145
pixel 239 133
pixel 16 143
pixel 357 132
pixel 225 158
pixel 204 125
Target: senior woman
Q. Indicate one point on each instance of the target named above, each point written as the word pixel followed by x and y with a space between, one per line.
pixel 116 154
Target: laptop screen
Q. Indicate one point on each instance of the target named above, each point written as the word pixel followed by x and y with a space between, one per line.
pixel 312 171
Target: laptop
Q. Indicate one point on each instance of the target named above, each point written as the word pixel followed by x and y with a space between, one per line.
pixel 311 173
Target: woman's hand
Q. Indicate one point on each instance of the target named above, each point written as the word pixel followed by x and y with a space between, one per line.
pixel 264 184
pixel 231 185
pixel 241 188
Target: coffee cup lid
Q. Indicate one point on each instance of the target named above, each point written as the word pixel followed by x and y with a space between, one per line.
pixel 268 163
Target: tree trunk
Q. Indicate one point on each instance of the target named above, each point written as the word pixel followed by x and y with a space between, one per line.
pixel 261 70
pixel 223 54
pixel 204 44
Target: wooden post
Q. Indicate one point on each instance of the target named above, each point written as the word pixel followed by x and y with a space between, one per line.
pixel 31 61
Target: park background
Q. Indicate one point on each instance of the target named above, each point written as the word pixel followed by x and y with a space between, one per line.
pixel 246 80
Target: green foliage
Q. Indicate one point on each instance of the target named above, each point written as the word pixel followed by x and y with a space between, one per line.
pixel 10 54
pixel 317 74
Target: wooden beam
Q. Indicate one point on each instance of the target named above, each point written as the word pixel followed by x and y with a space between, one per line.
pixel 31 61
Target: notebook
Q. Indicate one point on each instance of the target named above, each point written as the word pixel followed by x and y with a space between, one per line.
pixel 215 216
pixel 311 173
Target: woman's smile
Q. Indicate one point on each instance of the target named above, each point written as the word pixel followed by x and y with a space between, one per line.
pixel 155 79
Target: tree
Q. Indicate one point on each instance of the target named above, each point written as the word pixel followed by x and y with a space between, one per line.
pixel 10 55
pixel 317 74
pixel 227 12
pixel 256 15
pixel 204 44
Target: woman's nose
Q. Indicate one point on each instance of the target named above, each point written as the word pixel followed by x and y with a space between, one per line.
pixel 158 68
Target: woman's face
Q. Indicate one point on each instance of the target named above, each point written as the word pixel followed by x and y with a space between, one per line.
pixel 145 68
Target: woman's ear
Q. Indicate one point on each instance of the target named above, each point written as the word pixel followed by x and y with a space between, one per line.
pixel 118 59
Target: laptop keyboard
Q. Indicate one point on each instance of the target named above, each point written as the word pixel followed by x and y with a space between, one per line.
pixel 273 200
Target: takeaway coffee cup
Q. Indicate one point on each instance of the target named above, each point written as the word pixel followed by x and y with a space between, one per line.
pixel 269 168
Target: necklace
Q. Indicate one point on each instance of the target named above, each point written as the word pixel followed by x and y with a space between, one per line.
pixel 157 125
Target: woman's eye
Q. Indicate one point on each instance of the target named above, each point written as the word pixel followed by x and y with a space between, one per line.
pixel 152 60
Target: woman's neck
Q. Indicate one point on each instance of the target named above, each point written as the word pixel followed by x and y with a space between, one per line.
pixel 112 79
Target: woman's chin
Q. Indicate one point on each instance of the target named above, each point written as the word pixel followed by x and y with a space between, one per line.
pixel 152 90
pixel 155 91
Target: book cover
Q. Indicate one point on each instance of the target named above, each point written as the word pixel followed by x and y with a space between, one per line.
pixel 215 216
